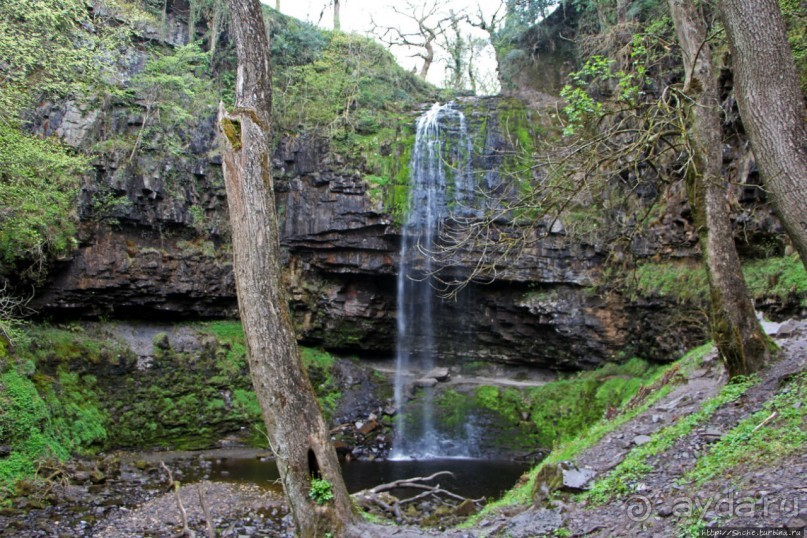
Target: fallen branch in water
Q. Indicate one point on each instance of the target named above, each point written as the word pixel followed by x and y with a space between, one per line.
pixel 391 506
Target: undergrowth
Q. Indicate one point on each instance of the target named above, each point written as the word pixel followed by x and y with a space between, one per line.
pixel 622 480
pixel 69 390
pixel 684 282
pixel 655 388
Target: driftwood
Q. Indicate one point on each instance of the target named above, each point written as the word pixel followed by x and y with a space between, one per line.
pixel 175 485
pixel 391 506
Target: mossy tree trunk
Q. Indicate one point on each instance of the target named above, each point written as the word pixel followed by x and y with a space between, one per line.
pixel 772 107
pixel 296 430
pixel 734 327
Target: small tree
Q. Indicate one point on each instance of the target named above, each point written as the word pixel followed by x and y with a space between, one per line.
pixel 429 25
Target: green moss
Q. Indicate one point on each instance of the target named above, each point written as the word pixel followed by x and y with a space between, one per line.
pixel 660 383
pixel 777 277
pixel 686 281
pixel 551 414
pixel 45 417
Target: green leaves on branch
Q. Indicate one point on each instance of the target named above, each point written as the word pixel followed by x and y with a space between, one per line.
pixel 321 491
pixel 598 77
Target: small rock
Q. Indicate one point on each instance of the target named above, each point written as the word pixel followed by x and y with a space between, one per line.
pixel 656 419
pixel 390 411
pixel 700 372
pixel 368 427
pixel 5 450
pixel 664 510
pixel 787 328
pixel 797 522
pixel 712 435
pixel 640 440
pixel 426 382
pixel 669 406
pixel 577 480
pixel 439 373
pixel 466 508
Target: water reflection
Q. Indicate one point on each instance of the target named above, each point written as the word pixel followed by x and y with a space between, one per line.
pixel 472 478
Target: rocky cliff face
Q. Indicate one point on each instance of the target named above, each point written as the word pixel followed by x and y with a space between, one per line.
pixel 154 243
pixel 164 253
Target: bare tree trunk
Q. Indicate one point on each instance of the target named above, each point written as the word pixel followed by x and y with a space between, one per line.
pixel 622 11
pixel 428 58
pixel 771 106
pixel 296 430
pixel 337 24
pixel 734 326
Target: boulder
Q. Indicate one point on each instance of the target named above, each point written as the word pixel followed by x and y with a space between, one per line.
pixel 426 382
pixel 439 373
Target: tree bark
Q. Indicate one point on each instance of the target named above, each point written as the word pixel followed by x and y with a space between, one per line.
pixel 428 58
pixel 771 107
pixel 337 21
pixel 735 329
pixel 296 430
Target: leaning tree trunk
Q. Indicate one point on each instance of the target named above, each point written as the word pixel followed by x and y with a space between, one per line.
pixel 734 326
pixel 296 430
pixel 771 106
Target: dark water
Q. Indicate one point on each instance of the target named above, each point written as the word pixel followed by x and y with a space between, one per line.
pixel 472 478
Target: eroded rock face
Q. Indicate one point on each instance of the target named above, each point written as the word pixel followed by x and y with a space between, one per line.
pixel 166 254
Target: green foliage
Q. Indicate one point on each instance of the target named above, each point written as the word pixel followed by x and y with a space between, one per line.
pixel 53 48
pixel 319 366
pixel 43 417
pixel 38 51
pixel 174 88
pixel 294 42
pixel 321 491
pixel 599 77
pixel 521 495
pixel 38 185
pixel 777 277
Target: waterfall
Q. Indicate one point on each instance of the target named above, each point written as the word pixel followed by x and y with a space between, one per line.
pixel 441 181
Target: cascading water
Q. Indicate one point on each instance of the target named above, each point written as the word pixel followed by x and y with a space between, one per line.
pixel 441 181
